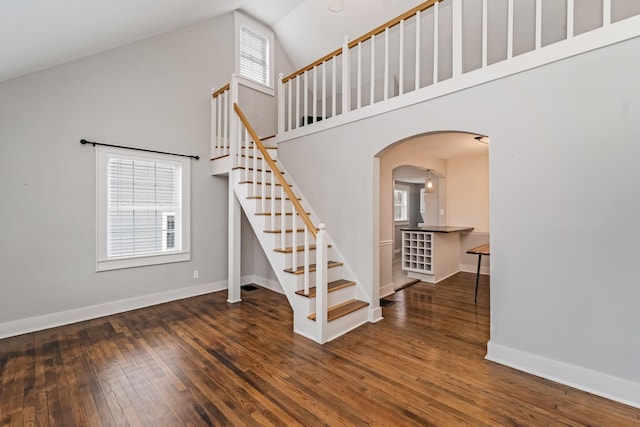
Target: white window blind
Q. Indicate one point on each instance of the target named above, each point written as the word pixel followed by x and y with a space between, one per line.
pixel 254 56
pixel 142 195
pixel 142 209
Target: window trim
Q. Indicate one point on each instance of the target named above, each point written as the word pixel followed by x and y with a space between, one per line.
pixel 103 262
pixel 241 20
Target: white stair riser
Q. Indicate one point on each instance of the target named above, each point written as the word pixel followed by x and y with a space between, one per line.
pixel 333 298
pixel 334 273
pixel 288 223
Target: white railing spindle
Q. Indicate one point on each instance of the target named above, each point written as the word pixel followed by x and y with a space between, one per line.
pixel 263 175
pixel 417 76
pixel 306 260
pixel 321 284
pixel 324 90
pixel 346 77
pixel 570 12
pixel 456 38
pixel 606 13
pixel 289 104
pixel 401 61
pixel 305 92
pixel 485 31
pixel 538 24
pixel 510 29
pixel 359 76
pixel 372 96
pixel 436 35
pixel 294 239
pixel 283 228
pixel 297 113
pixel 334 90
pixel 385 95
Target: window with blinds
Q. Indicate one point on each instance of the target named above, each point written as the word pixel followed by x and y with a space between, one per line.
pixel 254 56
pixel 254 44
pixel 141 209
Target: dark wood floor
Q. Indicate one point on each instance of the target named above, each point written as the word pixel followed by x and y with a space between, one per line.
pixel 202 361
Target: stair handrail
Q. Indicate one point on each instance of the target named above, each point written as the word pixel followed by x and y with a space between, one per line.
pixel 285 186
pixel 378 30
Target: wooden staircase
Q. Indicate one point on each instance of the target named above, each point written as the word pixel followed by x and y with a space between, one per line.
pixel 286 232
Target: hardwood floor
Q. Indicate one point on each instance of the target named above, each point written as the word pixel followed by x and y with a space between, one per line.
pixel 202 361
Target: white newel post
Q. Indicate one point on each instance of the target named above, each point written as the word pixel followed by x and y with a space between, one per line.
pixel 234 204
pixel 281 106
pixel 456 36
pixel 346 77
pixel 321 284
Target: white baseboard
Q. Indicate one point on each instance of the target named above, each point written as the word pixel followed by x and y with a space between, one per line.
pixel 468 268
pixel 387 290
pixel 610 387
pixel 38 323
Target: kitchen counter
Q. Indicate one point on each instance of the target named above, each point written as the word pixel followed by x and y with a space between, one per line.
pixel 438 229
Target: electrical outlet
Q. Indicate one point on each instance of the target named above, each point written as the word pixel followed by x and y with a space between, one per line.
pixel 196 274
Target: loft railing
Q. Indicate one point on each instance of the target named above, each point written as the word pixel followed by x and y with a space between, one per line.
pixel 221 103
pixel 411 56
pixel 244 148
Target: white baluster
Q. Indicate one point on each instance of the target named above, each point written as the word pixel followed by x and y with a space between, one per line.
pixel 372 95
pixel 306 260
pixel 485 31
pixel 247 173
pixel 296 115
pixel 273 202
pixel 401 65
pixel 418 23
pixel 283 229
pixel 213 126
pixel 324 90
pixel 321 285
pixel 294 238
pixel 606 13
pixel 538 24
pixel 436 36
pixel 225 123
pixel 385 95
pixel 570 12
pixel 510 29
pixel 359 77
pixel 315 95
pixel 263 187
pixel 456 37
pixel 281 106
pixel 289 104
pixel 346 77
pixel 305 92
pixel 334 90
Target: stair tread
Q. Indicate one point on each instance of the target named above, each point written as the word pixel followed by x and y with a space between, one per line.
pixel 251 169
pixel 278 213
pixel 258 158
pixel 288 230
pixel 312 267
pixel 343 309
pixel 260 183
pixel 268 198
pixel 333 286
pixel 220 157
pixel 289 249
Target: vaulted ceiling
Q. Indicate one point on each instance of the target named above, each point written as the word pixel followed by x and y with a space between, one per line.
pixel 38 34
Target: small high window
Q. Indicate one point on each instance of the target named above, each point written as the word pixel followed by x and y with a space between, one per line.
pixel 254 54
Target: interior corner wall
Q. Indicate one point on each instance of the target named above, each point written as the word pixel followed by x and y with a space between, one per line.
pixel 564 287
pixel 150 94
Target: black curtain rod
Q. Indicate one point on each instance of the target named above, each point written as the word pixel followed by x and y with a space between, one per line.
pixel 84 141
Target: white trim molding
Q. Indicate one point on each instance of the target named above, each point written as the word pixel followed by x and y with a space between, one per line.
pixel 594 382
pixel 38 323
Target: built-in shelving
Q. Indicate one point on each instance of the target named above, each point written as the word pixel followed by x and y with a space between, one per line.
pixel 417 252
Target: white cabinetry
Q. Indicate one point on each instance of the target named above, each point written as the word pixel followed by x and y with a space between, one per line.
pixel 430 256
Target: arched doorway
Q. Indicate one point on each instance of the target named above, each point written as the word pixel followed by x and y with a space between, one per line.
pixel 460 163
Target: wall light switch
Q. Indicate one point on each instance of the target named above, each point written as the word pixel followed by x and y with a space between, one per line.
pixel 441 211
pixel 196 274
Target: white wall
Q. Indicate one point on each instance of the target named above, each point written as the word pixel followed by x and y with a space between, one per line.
pixel 564 287
pixel 150 94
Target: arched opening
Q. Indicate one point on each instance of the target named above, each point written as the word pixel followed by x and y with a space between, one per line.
pixel 458 165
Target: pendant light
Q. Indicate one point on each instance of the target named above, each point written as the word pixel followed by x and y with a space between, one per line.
pixel 429 188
